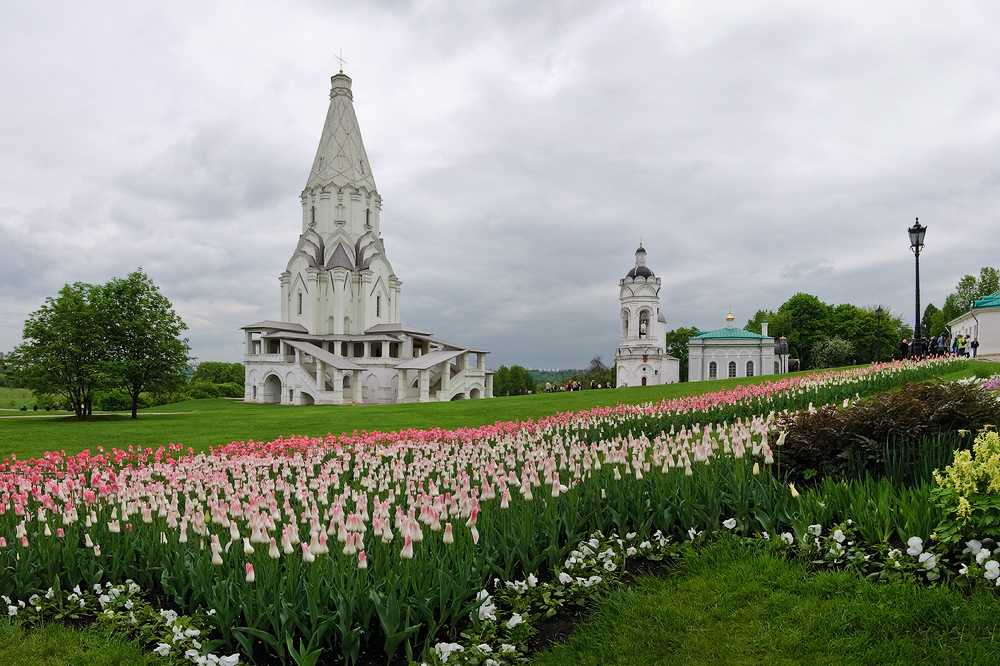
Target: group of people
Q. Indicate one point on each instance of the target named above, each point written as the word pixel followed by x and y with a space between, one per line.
pixel 942 345
pixel 573 385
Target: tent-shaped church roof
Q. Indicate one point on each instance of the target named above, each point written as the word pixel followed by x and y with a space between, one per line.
pixel 341 159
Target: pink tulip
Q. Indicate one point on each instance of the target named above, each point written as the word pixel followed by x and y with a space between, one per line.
pixel 250 574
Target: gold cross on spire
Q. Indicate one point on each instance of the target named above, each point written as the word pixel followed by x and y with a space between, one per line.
pixel 340 59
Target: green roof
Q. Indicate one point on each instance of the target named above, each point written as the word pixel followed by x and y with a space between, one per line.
pixel 724 333
pixel 991 301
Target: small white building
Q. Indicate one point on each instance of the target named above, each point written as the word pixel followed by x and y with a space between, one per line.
pixel 731 352
pixel 339 338
pixel 641 358
pixel 981 322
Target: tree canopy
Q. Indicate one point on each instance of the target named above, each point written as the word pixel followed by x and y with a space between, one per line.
pixel 513 380
pixel 676 344
pixel 120 335
pixel 820 334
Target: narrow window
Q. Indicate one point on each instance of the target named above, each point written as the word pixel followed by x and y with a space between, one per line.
pixel 749 368
pixel 313 211
pixel 300 302
pixel 732 368
pixel 378 306
pixel 713 370
pixel 368 217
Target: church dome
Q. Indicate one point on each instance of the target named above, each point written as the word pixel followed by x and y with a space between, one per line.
pixel 639 271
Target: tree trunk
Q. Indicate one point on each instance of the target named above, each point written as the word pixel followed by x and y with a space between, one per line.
pixel 135 405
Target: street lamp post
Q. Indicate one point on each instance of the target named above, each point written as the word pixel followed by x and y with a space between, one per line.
pixel 917 232
pixel 878 333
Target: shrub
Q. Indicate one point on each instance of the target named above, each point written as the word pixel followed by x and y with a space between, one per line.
pixel 864 436
pixel 200 390
pixel 832 352
pixel 117 400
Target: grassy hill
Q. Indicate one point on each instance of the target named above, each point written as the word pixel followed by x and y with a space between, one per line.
pixel 203 423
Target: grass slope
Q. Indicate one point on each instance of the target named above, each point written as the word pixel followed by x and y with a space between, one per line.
pixel 203 423
pixel 11 399
pixel 732 605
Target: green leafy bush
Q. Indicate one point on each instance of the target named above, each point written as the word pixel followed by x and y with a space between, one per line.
pixel 869 436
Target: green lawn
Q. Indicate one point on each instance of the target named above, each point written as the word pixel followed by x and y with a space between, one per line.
pixel 731 605
pixel 58 645
pixel 12 399
pixel 203 423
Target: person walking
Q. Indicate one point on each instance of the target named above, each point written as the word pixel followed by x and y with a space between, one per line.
pixel 961 345
pixel 954 345
pixel 974 346
pixel 904 348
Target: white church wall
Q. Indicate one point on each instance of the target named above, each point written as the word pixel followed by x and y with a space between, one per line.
pixel 987 329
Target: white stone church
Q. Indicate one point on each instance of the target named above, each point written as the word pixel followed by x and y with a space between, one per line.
pixel 641 358
pixel 339 338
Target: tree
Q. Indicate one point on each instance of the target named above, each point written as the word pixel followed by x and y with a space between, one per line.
pixel 142 334
pixel 931 324
pixel 805 320
pixel 63 352
pixel 968 289
pixel 676 344
pixel 513 380
pixel 219 372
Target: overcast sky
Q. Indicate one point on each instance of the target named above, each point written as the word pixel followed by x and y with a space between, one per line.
pixel 522 149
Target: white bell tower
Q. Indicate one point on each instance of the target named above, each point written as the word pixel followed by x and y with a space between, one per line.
pixel 641 358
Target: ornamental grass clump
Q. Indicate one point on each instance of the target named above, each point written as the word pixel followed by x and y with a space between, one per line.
pixel 969 490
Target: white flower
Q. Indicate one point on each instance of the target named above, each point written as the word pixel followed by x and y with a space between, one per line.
pixel 928 560
pixel 484 648
pixel 915 546
pixel 445 650
pixel 507 648
pixel 609 566
pixel 729 524
pixel 483 594
pixel 973 547
pixel 565 578
pixel 787 538
pixel 229 660
pixel 992 570
pixel 963 570
pixel 162 649
pixel 532 580
pixel 488 611
pixel 815 530
pixel 983 555
pixel 514 620
pixel 692 534
pixel 11 611
pixel 839 536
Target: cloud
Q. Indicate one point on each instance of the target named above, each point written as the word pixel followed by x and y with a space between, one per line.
pixel 521 150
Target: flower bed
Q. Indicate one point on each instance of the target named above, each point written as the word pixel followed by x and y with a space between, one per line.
pixel 376 544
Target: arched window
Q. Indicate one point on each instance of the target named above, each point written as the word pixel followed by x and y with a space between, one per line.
pixel 644 323
pixel 732 368
pixel 625 317
pixel 713 370
pixel 300 302
pixel 749 368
